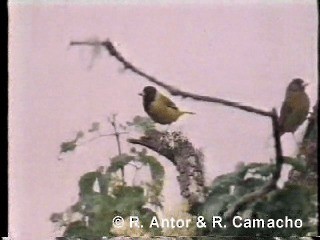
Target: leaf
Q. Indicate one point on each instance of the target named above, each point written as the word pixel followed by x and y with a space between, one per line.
pixel 142 123
pixel 77 229
pixel 97 203
pixel 292 201
pixel 68 146
pixel 119 162
pixel 56 217
pixel 129 198
pixel 222 184
pixel 95 126
pixel 226 189
pixel 76 207
pixel 224 181
pixel 146 215
pixel 239 181
pixel 216 205
pixel 133 150
pixel 264 170
pixel 296 163
pixel 87 181
pixel 156 169
pixel 79 135
pixel 99 208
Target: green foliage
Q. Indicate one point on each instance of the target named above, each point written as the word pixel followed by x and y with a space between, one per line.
pixel 78 229
pixel 112 198
pixel 119 162
pixel 69 146
pixel 86 183
pixel 97 206
pixel 144 124
pixel 157 173
pixel 297 163
pixel 226 189
pixel 292 201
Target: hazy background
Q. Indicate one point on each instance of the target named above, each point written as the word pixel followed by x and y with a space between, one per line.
pixel 246 51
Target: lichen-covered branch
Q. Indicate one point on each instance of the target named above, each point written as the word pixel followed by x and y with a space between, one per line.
pixel 187 159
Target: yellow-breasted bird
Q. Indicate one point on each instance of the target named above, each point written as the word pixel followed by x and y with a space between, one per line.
pixel 295 107
pixel 160 108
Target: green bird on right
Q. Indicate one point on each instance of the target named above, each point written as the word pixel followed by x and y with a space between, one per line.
pixel 295 107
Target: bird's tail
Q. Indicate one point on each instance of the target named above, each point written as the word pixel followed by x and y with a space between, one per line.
pixel 186 112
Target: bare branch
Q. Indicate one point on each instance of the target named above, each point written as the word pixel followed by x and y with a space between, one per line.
pixel 172 90
pixel 113 122
pixel 278 148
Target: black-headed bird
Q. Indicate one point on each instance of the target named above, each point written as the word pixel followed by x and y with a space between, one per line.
pixel 160 108
pixel 295 107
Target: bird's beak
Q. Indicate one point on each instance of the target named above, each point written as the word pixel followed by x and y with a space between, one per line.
pixel 140 94
pixel 305 84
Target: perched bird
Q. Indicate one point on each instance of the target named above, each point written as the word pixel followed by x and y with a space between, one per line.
pixel 160 108
pixel 295 107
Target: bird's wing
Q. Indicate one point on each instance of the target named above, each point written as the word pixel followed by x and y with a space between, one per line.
pixel 285 111
pixel 169 103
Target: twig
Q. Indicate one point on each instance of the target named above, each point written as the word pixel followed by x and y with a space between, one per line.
pixel 117 135
pixel 100 136
pixel 278 148
pixel 172 90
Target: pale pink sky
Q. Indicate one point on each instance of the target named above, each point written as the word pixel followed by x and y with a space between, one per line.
pixel 242 52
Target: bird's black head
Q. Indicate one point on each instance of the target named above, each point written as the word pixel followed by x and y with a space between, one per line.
pixel 297 85
pixel 149 95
